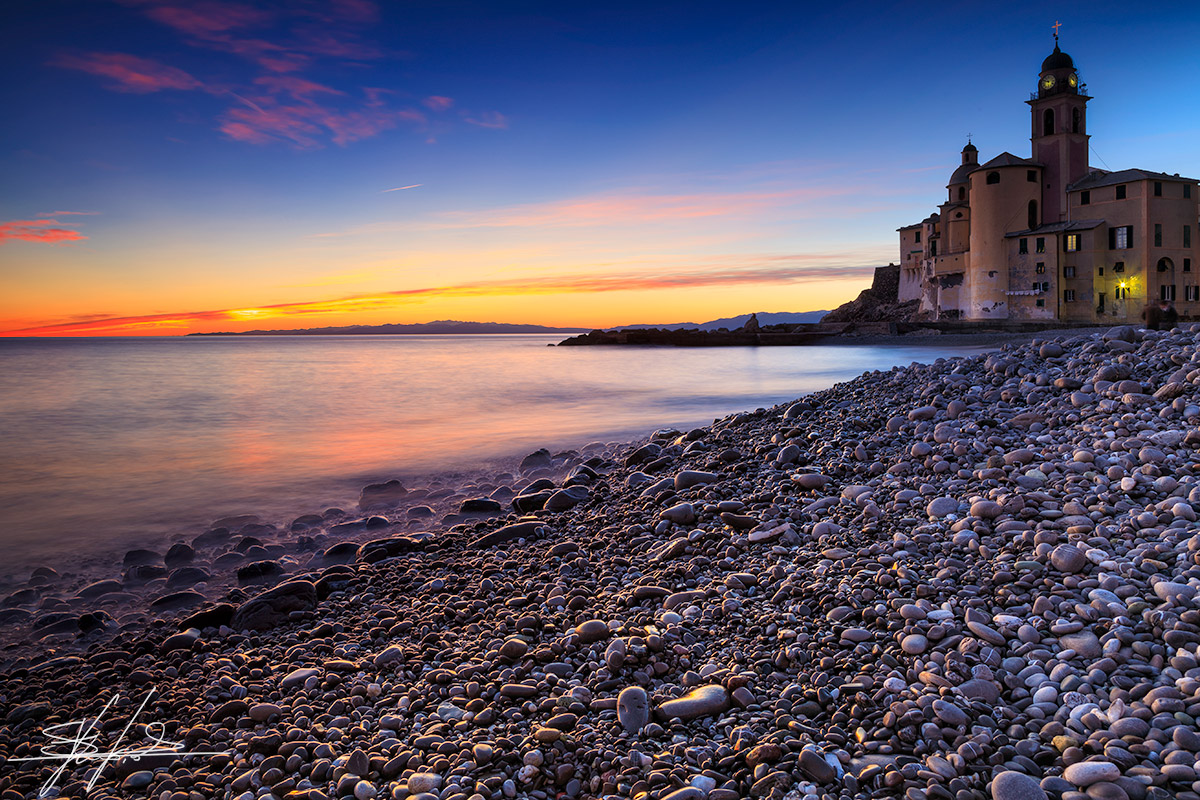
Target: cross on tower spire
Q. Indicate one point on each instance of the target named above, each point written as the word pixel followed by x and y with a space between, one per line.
pixel 1056 26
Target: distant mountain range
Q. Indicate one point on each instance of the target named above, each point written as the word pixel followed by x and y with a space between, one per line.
pixel 764 318
pixel 451 326
pixel 441 326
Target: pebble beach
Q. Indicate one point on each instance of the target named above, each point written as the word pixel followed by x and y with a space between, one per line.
pixel 970 579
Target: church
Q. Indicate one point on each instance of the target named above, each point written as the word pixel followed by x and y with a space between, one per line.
pixel 1050 237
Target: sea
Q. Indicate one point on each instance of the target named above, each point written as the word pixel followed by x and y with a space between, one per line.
pixel 113 443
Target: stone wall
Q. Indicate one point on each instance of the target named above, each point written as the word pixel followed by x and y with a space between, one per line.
pixel 886 284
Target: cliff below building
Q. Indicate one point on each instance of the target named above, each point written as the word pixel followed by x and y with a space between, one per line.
pixel 880 303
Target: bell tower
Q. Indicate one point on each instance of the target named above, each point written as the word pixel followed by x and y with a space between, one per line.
pixel 1059 131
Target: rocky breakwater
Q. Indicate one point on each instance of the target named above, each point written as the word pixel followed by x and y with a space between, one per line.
pixel 976 578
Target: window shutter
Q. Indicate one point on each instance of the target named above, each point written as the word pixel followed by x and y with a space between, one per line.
pixel 1112 238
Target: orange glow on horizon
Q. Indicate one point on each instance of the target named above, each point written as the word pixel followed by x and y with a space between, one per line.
pixel 698 294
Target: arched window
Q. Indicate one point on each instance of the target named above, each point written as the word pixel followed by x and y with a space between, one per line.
pixel 1048 122
pixel 1033 219
pixel 962 193
pixel 1076 121
pixel 1165 265
pixel 993 177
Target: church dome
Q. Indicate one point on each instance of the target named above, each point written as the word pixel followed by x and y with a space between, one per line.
pixel 960 174
pixel 1057 60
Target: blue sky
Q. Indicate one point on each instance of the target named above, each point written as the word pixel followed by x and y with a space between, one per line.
pixel 569 164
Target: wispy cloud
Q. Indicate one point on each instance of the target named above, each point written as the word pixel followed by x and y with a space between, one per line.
pixel 437 102
pixel 770 270
pixel 46 231
pixel 620 208
pixel 128 73
pixel 71 214
pixel 402 188
pixel 487 119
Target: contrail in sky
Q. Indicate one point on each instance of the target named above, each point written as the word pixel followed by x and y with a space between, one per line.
pixel 401 188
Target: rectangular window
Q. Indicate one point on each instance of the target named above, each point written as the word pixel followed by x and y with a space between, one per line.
pixel 1166 291
pixel 1041 303
pixel 1085 198
pixel 1158 188
pixel 1101 271
pixel 1121 192
pixel 1187 235
pixel 1191 293
pixel 1031 175
pixel 917 237
pixel 1120 238
pixel 1023 246
pixel 1072 242
pixel 1121 293
pixel 1119 266
pixel 1100 303
pixel 1041 244
pixel 1187 190
pixel 1069 296
pixel 1187 265
pixel 1040 269
pixel 1068 272
pixel 1158 234
pixel 1045 286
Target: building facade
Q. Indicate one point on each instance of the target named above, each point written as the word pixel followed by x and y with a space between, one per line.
pixel 1049 237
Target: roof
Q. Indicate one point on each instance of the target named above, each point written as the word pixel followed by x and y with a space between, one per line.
pixel 1009 160
pixel 960 174
pixel 1099 177
pixel 910 227
pixel 1059 227
pixel 1057 60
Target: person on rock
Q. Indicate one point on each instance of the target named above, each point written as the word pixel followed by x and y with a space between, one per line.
pixel 1169 315
pixel 1152 315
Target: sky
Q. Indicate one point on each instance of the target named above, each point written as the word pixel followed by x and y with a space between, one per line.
pixel 179 166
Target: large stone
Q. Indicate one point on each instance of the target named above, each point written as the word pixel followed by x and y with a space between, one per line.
pixel 519 530
pixel 700 702
pixel 941 507
pixel 689 478
pixel 633 709
pixel 1068 558
pixel 563 499
pixel 273 607
pixel 1085 773
pixel 1016 786
pixel 381 495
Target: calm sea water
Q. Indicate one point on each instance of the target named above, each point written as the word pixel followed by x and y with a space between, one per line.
pixel 111 443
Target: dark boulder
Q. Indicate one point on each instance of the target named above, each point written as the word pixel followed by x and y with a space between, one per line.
pixel 273 607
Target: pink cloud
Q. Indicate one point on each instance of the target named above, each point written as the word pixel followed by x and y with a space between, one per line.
pixel 71 214
pixel 280 41
pixel 299 88
pixel 130 73
pixel 362 11
pixel 302 123
pixel 488 119
pixel 339 44
pixel 206 19
pixel 38 230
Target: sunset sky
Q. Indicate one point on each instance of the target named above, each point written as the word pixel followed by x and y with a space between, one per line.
pixel 173 166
